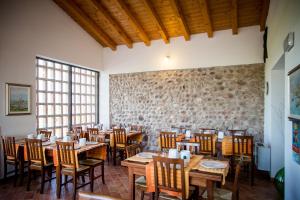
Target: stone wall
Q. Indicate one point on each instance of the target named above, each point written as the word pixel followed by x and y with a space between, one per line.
pixel 217 97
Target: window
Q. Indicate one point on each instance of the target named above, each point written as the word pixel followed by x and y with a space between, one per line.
pixel 66 95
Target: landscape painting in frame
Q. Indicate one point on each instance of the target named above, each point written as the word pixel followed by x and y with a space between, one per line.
pixel 294 75
pixel 17 99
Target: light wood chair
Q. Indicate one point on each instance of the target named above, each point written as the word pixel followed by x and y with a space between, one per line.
pixel 10 157
pixel 67 166
pixel 36 162
pixel 206 143
pixel 93 196
pixel 167 168
pixel 120 142
pixel 224 194
pixel 140 182
pixel 167 140
pixel 46 133
pixel 242 151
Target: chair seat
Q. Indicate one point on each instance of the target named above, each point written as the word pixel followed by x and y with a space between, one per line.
pixel 243 158
pixel 120 146
pixel 169 197
pixel 11 161
pixel 91 162
pixel 38 166
pixel 220 194
pixel 70 171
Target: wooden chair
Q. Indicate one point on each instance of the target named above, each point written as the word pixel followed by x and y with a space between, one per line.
pixel 10 157
pixel 92 132
pixel 206 143
pixel 167 140
pixel 242 151
pixel 140 182
pixel 77 129
pixel 242 132
pixel 67 166
pixel 167 168
pixel 46 133
pixel 120 142
pixel 136 128
pixel 36 162
pixel 93 196
pixel 224 194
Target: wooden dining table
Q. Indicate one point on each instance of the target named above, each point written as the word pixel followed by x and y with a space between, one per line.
pixel 201 178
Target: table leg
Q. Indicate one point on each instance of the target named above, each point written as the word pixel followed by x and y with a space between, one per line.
pixel 114 155
pixel 210 189
pixel 131 177
pixel 58 182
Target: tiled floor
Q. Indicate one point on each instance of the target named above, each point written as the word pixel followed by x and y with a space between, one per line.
pixel 117 185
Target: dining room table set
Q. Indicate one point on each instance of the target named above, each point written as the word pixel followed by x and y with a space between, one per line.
pixel 198 171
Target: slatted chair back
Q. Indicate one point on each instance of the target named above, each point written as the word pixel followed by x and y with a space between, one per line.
pixel 235 188
pixel 167 171
pixel 66 154
pixel 77 129
pixel 46 133
pixel 206 143
pixel 120 137
pixel 167 140
pixel 9 147
pixel 241 132
pixel 34 150
pixel 132 150
pixel 93 131
pixel 207 130
pixel 242 145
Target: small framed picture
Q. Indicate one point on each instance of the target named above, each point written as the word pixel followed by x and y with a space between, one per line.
pixel 294 76
pixel 18 99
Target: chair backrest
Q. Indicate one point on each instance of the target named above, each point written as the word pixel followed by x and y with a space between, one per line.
pixel 34 150
pixel 93 196
pixel 166 171
pixel 241 132
pixel 132 150
pixel 207 130
pixel 235 188
pixel 167 140
pixel 206 143
pixel 136 128
pixel 9 147
pixel 93 131
pixel 120 136
pixel 66 154
pixel 242 145
pixel 46 133
pixel 77 129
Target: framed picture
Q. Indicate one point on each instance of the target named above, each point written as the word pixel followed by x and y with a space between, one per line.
pixel 294 76
pixel 18 99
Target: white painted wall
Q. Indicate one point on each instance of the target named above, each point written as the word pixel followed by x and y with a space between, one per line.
pixel 283 18
pixel 37 27
pixel 222 50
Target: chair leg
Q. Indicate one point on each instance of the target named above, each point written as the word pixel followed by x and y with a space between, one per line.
pixel 153 195
pixel 74 187
pixel 58 183
pixel 50 174
pixel 16 175
pixel 92 179
pixel 156 195
pixel 83 179
pixel 252 173
pixel 142 195
pixel 42 181
pixel 66 180
pixel 29 179
pixel 5 170
pixel 102 171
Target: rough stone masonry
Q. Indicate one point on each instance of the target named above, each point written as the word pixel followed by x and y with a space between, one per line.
pixel 217 97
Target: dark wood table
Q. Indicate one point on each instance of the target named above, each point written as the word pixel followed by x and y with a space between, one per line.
pixel 196 177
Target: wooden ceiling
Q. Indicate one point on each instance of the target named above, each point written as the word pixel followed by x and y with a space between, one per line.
pixel 117 22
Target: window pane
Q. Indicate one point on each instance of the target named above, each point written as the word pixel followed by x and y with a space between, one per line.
pixel 50 122
pixel 41 62
pixel 57 86
pixel 41 97
pixel 41 85
pixel 50 74
pixel 42 122
pixel 65 121
pixel 50 86
pixel 49 64
pixel 65 76
pixel 58 98
pixel 65 67
pixel 41 72
pixel 50 98
pixel 57 110
pixel 57 66
pixel 65 98
pixel 42 109
pixel 58 121
pixel 65 87
pixel 50 110
pixel 65 110
pixel 57 75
